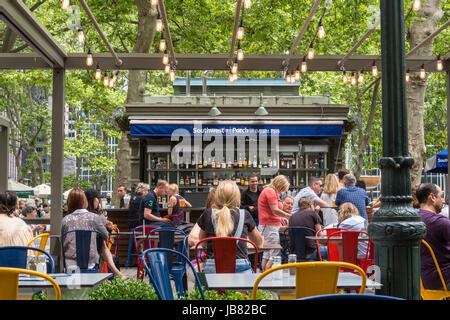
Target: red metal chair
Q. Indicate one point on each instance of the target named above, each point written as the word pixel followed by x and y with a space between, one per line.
pixel 225 249
pixel 144 230
pixel 328 231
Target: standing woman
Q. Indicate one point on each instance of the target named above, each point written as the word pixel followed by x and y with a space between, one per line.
pixel 270 213
pixel 227 220
pixel 175 209
pixel 135 201
pixel 330 189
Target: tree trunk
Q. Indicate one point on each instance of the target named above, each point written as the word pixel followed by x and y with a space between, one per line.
pixel 136 89
pixel 424 24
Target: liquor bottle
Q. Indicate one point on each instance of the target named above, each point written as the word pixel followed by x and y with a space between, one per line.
pixel 310 164
pixel 215 181
pixel 282 164
pixel 229 164
pixel 240 160
pixel 301 165
pixel 302 181
pixel 235 165
pixel 153 165
pixel 242 180
pixel 288 163
pixel 224 164
pixel 200 164
pixel 221 177
pixel 316 164
pixel 293 164
pixel 213 163
pixel 158 164
pixel 259 164
pixel 205 181
pixel 187 181
pixel 205 163
pixel 245 161
pixel 194 161
pixel 181 181
pixel 181 164
pixel 321 162
pixel 255 161
pixel 193 180
pixel 199 179
pixel 237 178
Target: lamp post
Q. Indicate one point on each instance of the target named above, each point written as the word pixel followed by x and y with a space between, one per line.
pixel 396 229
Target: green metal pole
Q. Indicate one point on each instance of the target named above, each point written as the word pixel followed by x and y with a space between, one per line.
pixel 396 229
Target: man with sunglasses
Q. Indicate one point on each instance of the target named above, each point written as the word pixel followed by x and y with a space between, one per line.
pixel 312 191
pixel 351 193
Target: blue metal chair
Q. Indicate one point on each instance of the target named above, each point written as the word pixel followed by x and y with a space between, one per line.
pixel 298 236
pixel 83 245
pixel 350 296
pixel 16 257
pixel 158 271
pixel 177 268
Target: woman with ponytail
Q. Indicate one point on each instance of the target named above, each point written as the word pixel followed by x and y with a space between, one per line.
pixel 227 220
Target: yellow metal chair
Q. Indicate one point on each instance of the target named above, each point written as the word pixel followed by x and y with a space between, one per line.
pixel 433 294
pixel 9 282
pixel 44 237
pixel 314 278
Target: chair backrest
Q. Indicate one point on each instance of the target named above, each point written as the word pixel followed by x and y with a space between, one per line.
pixel 314 278
pixel 158 271
pixel 349 242
pixel 144 230
pixel 438 269
pixel 167 240
pixel 298 234
pixel 350 296
pixel 43 243
pixel 225 249
pixel 9 279
pixel 83 246
pixel 16 257
pixel 328 231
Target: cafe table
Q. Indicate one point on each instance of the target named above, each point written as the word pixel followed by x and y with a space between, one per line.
pixel 284 286
pixel 74 286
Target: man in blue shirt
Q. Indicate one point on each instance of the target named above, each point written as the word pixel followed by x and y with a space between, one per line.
pixel 149 208
pixel 357 196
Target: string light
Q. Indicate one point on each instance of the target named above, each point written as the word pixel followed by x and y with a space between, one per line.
pixel 115 77
pixel 235 76
pixel 416 5
pixel 361 77
pixel 297 74
pixel 165 59
pixel 98 73
pixel 240 31
pixel 105 80
pixel 240 53
pixel 162 43
pixel 167 68
pixel 89 58
pixel 288 77
pixel 230 77
pixel 172 75
pixel 311 51
pixel 234 68
pixel 304 66
pixel 374 69
pixel 81 38
pixel 111 81
pixel 353 79
pixel 321 30
pixel 422 73
pixel 407 77
pixel 247 4
pixel 154 2
pixel 159 25
pixel 65 4
pixel 439 64
pixel 344 77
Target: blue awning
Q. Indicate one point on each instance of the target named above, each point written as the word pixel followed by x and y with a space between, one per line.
pixel 303 130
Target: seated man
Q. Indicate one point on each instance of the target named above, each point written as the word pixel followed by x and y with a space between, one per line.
pixel 307 217
pixel 430 200
pixel 351 193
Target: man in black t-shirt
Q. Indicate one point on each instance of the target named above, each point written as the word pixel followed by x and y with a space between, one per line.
pixel 149 208
pixel 249 198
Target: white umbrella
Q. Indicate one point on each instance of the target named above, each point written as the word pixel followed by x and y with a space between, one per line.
pixel 42 191
pixel 21 189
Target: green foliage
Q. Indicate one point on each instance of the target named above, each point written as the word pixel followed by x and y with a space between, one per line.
pixel 41 295
pixel 69 183
pixel 118 289
pixel 228 295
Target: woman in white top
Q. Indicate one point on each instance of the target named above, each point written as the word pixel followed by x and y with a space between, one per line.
pixel 330 189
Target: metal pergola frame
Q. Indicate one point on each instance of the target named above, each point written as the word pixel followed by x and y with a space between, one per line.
pixel 49 55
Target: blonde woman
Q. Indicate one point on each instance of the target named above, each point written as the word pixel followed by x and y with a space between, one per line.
pixel 330 189
pixel 175 208
pixel 350 219
pixel 227 220
pixel 270 213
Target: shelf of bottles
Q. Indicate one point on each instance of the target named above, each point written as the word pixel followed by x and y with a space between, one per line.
pixel 298 167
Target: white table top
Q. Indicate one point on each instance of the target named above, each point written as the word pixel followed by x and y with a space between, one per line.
pixel 245 281
pixel 65 280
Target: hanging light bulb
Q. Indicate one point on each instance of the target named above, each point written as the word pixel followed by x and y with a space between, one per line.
pixel 162 43
pixel 361 77
pixel 416 5
pixel 234 68
pixel 159 25
pixel 297 74
pixel 98 73
pixel 311 51
pixel 235 76
pixel 353 79
pixel 111 81
pixel 288 77
pixel 374 69
pixel 407 77
pixel 114 77
pixel 247 4
pixel 422 73
pixel 165 59
pixel 321 30
pixel 154 2
pixel 240 31
pixel 167 68
pixel 172 75
pixel 439 64
pixel 65 4
pixel 105 80
pixel 344 77
pixel 81 38
pixel 240 53
pixel 304 66
pixel 89 58
pixel 230 77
